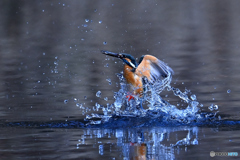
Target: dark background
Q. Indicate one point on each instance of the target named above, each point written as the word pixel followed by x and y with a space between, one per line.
pixel 50 51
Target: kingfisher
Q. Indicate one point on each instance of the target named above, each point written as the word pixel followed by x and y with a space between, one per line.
pixel 148 68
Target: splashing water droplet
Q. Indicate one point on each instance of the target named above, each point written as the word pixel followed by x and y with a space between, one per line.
pixel 85 25
pixel 98 94
pixel 75 99
pixel 193 97
pixel 106 98
pixel 229 91
pixel 86 20
pixel 99 22
pixel 104 43
pixel 109 81
pixel 65 101
pixel 79 105
pixel 215 107
pixel 211 107
pixel 97 106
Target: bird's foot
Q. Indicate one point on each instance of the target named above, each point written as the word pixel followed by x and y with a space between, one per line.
pixel 129 97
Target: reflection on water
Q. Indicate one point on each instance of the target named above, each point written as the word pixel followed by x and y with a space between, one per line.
pixel 155 143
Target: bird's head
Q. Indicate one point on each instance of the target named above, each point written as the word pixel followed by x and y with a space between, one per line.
pixel 127 58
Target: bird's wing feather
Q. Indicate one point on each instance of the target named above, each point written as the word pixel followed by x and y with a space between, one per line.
pixel 153 69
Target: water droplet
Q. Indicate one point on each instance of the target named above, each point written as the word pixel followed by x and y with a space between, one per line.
pixel 201 105
pixel 193 97
pixel 210 107
pixel 104 43
pixel 43 10
pixel 63 5
pixel 215 107
pixel 65 101
pixel 98 94
pixel 79 105
pixel 106 65
pixel 75 99
pixel 85 25
pixel 109 81
pixel 106 98
pixel 44 53
pixel 99 22
pixel 86 20
pixel 56 57
pixel 229 91
pixel 85 97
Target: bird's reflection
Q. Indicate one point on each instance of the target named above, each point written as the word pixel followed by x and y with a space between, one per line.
pixel 141 144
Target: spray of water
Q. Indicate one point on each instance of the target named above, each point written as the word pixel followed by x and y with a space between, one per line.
pixel 157 107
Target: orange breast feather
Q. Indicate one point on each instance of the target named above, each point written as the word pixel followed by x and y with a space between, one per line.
pixel 133 79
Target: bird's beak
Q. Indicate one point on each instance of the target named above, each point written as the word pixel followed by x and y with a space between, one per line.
pixel 112 54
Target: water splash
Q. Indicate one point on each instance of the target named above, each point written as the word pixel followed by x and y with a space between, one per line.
pixel 155 107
